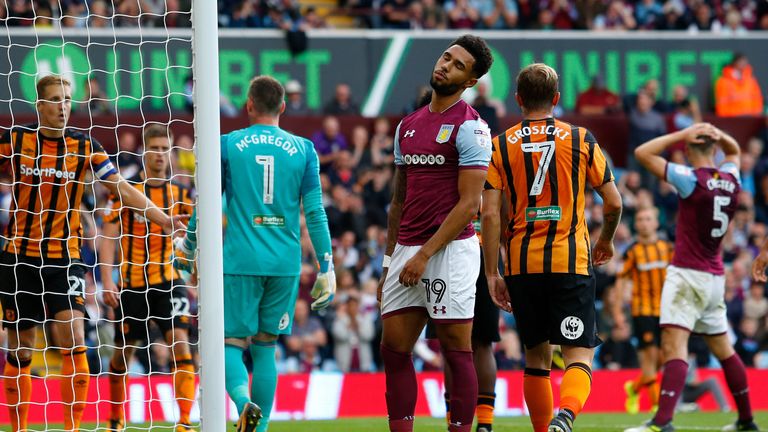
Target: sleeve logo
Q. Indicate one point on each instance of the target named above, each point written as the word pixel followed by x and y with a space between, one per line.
pixel 444 134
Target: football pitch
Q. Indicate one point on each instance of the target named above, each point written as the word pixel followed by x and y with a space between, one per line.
pixel 585 423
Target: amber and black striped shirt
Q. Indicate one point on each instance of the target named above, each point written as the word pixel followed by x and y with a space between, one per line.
pixel 646 265
pixel 145 250
pixel 544 167
pixel 49 178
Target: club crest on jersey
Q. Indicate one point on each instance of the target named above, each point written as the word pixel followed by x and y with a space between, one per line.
pixel 444 134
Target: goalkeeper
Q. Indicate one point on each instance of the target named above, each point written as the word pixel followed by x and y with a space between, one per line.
pixel 267 174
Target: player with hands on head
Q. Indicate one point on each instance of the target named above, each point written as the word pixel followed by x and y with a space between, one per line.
pixel 692 299
pixel 542 166
pixel 268 175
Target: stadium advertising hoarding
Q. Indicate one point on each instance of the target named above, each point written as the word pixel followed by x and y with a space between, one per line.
pixel 384 70
pixel 325 396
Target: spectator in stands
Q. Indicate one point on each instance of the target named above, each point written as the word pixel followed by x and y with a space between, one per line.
pixel 178 13
pixel 597 99
pixel 342 103
pixel 463 14
pixel 748 343
pixel 733 24
pixel 244 15
pixel 382 143
pixel 361 153
pixel 737 92
pixel 762 16
pixel 509 352
pixel 756 305
pixel 396 14
pixel 99 15
pixel 377 194
pixel 95 97
pixel 423 95
pixel 129 159
pixel 704 19
pixel 686 108
pixel 353 332
pixel 306 330
pixel 563 14
pixel 433 14
pixel 617 17
pixel 673 17
pixel 487 108
pixel 647 14
pixel 645 123
pixel 527 14
pixel 313 20
pixel 345 213
pixel 328 142
pixel 295 105
pixel 343 173
pixel 587 11
pixel 498 14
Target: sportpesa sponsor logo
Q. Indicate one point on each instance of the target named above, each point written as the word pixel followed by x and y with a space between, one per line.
pixel 46 172
pixel 423 159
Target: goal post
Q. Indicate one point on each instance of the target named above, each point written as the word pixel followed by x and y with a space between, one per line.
pixel 127 71
pixel 205 44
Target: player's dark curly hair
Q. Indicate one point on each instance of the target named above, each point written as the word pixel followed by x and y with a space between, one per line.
pixel 479 50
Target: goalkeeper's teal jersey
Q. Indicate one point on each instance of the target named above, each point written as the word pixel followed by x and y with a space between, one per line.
pixel 265 173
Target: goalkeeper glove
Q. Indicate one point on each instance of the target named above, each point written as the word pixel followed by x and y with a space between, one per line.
pixel 183 255
pixel 325 286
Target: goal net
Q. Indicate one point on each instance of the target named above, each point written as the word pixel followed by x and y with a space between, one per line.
pixel 100 329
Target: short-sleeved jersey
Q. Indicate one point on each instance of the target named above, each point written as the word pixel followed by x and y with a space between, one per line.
pixel 432 148
pixel 49 178
pixel 646 265
pixel 145 250
pixel 266 172
pixel 708 199
pixel 544 166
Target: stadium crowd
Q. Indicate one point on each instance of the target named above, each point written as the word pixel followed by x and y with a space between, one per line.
pixel 723 17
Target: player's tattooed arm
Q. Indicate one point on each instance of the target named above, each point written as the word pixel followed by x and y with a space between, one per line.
pixel 603 250
pixel 396 209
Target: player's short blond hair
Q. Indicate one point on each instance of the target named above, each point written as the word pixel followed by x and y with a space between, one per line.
pixel 155 130
pixel 537 86
pixel 48 81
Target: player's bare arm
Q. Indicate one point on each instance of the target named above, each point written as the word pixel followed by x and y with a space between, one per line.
pixel 109 235
pixel 649 153
pixel 490 221
pixel 471 183
pixel 616 297
pixel 393 219
pixel 728 145
pixel 603 250
pixel 134 199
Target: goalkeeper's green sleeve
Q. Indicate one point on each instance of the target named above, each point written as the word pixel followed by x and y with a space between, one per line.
pixel 317 225
pixel 190 240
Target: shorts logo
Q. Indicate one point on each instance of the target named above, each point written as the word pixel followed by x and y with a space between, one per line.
pixel 534 214
pixel 442 310
pixel 284 321
pixel 572 327
pixel 444 134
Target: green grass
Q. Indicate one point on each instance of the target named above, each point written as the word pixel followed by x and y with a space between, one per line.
pixel 585 423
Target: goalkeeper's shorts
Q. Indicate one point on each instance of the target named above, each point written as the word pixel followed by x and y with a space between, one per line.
pixel 166 304
pixel 254 304
pixel 30 288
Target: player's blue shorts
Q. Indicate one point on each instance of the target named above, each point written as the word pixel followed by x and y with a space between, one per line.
pixel 254 304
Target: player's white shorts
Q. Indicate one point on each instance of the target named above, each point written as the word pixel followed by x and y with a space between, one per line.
pixel 447 288
pixel 694 300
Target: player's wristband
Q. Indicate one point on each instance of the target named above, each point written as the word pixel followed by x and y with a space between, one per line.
pixel 386 261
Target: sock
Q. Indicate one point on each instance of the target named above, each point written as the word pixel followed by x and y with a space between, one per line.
pixel 485 405
pixel 464 390
pixel 637 383
pixel 736 377
pixel 401 389
pixel 537 389
pixel 447 398
pixel 184 386
pixel 18 391
pixel 575 387
pixel 653 392
pixel 264 379
pixel 672 383
pixel 74 386
pixel 236 376
pixel 118 383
